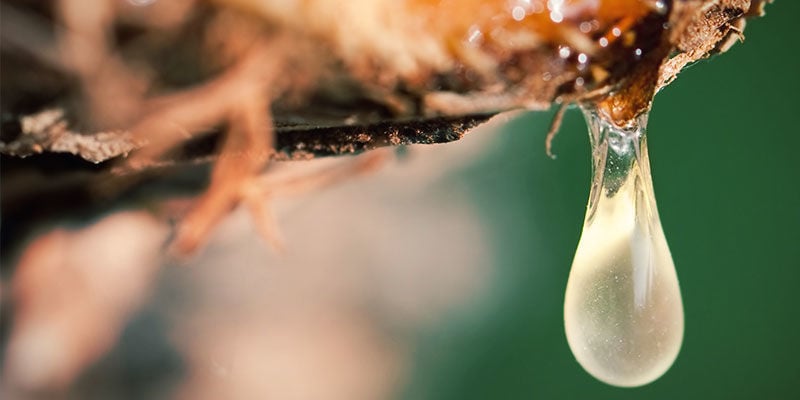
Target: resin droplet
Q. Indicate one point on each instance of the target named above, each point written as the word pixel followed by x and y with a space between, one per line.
pixel 623 312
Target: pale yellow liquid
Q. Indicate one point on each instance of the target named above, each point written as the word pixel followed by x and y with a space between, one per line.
pixel 623 312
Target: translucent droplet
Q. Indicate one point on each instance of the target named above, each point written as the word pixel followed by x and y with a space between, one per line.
pixel 623 312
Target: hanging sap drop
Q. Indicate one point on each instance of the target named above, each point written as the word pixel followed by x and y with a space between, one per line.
pixel 623 312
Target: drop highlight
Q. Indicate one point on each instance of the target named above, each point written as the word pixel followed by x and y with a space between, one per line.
pixel 623 312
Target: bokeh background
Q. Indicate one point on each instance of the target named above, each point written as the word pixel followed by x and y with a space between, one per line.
pixel 723 141
pixel 442 275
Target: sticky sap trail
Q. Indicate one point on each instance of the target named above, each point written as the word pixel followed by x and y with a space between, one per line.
pixel 623 312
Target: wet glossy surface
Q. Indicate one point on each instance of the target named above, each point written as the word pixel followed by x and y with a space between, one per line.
pixel 623 312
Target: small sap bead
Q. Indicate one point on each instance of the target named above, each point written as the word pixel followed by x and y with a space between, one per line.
pixel 622 312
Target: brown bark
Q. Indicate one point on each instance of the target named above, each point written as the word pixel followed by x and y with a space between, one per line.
pixel 324 108
pixel 697 29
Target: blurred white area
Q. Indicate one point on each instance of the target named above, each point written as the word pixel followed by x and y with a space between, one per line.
pixel 73 292
pixel 368 263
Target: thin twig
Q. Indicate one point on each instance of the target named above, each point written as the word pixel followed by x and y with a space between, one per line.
pixel 555 125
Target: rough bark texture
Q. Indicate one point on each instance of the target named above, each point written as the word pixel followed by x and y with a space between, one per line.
pixel 50 149
pixel 48 131
pixel 33 123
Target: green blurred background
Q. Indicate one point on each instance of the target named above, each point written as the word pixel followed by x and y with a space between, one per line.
pixel 724 149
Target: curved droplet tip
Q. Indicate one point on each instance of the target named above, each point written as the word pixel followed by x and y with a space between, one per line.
pixel 630 380
pixel 623 362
